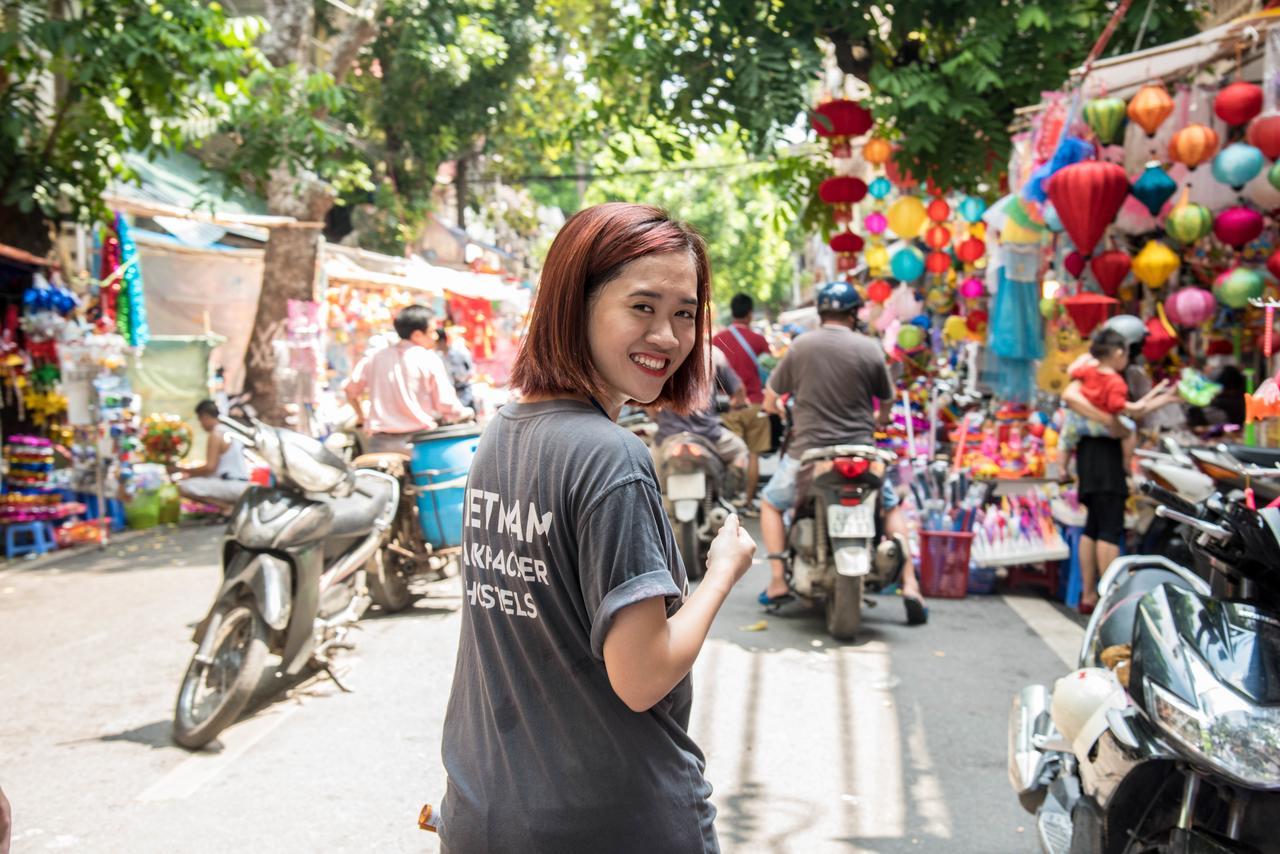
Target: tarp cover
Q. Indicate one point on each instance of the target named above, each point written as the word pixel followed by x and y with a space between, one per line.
pixel 172 376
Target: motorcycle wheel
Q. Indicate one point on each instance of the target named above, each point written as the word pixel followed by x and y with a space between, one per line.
pixel 690 549
pixel 388 586
pixel 238 656
pixel 844 607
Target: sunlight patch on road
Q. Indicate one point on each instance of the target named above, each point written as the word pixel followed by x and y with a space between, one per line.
pixel 1059 633
pixel 927 797
pixel 870 741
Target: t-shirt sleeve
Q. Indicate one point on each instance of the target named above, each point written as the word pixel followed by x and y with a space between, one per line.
pixel 623 555
pixel 780 379
pixel 881 387
pixel 1117 394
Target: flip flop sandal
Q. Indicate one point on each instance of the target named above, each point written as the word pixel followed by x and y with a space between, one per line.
pixel 917 611
pixel 773 603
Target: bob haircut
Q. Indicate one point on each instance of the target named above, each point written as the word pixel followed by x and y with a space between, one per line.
pixel 590 251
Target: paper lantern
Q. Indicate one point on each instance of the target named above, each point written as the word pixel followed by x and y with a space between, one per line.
pixel 875 223
pixel 1074 262
pixel 1193 145
pixel 1087 197
pixel 1237 286
pixel 910 337
pixel 1088 310
pixel 877 258
pixel 955 329
pixel 907 264
pixel 846 241
pixel 937 237
pixel 1273 264
pixel 938 210
pixel 1160 340
pixel 1051 219
pixel 842 192
pixel 906 215
pixel 1110 268
pixel 877 151
pixel 879 290
pixel 1155 264
pixel 938 262
pixel 880 187
pixel 1150 107
pixel 1153 187
pixel 970 250
pixel 972 209
pixel 1190 306
pixel 1237 164
pixel 1273 175
pixel 1188 222
pixel 1264 135
pixel 1238 226
pixel 972 288
pixel 838 121
pixel 1105 117
pixel 1238 103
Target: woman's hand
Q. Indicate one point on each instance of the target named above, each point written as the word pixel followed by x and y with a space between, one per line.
pixel 730 553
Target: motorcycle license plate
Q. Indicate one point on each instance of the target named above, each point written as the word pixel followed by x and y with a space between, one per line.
pixel 684 486
pixel 849 522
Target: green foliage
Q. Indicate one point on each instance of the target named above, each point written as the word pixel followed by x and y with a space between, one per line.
pixel 82 86
pixel 946 75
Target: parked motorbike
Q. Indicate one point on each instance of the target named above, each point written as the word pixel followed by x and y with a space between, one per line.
pixel 832 556
pixel 1167 737
pixel 293 576
pixel 697 485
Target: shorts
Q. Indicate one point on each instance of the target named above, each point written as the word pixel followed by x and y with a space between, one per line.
pixel 780 491
pixel 212 490
pixel 751 426
pixel 729 448
pixel 1105 521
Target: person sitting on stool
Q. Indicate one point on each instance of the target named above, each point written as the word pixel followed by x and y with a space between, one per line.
pixel 224 476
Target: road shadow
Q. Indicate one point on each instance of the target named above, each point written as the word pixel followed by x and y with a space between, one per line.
pixel 167 547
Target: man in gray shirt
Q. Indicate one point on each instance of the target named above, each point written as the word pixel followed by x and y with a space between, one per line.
pixel 836 376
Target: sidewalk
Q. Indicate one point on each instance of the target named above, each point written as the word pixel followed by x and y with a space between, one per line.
pixel 129 540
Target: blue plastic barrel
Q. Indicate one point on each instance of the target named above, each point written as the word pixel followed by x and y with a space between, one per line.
pixel 439 463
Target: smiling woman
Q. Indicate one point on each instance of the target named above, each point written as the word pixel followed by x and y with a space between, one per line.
pixel 567 727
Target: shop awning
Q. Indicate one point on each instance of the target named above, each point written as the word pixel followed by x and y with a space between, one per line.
pixel 486 286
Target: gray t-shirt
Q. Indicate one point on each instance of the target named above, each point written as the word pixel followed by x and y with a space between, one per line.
pixel 835 374
pixel 563 528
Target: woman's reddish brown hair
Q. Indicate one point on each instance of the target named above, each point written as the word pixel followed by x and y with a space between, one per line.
pixel 590 250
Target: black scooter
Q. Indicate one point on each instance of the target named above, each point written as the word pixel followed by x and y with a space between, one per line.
pixel 294 579
pixel 1167 739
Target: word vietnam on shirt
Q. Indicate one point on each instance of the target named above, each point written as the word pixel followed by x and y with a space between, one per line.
pixel 489 511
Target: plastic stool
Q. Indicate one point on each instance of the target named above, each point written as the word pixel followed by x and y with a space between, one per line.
pixel 39 539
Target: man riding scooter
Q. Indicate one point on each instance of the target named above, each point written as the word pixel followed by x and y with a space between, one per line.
pixel 835 375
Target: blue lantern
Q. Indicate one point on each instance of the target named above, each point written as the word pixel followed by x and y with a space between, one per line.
pixel 1237 164
pixel 880 187
pixel 972 208
pixel 907 265
pixel 1153 187
pixel 1051 218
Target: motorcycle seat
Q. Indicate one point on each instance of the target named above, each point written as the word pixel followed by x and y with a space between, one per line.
pixel 1268 457
pixel 355 514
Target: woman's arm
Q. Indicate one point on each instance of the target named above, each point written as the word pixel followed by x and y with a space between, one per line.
pixel 646 654
pixel 1074 398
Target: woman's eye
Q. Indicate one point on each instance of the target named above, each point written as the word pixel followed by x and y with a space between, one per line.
pixel 643 307
pixel 687 315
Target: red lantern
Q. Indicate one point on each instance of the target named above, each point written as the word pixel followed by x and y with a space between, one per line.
pixel 842 192
pixel 839 120
pixel 937 262
pixel 938 210
pixel 937 237
pixel 1273 264
pixel 1109 269
pixel 1088 310
pixel 1264 135
pixel 1238 103
pixel 1087 197
pixel 846 241
pixel 846 262
pixel 1074 262
pixel 1159 341
pixel 970 250
pixel 976 320
pixel 879 290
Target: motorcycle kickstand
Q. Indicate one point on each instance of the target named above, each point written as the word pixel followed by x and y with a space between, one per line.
pixel 327 667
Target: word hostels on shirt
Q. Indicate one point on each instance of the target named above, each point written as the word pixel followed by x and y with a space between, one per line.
pixel 491 513
pixel 480 514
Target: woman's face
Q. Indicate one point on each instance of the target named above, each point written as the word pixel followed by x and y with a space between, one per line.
pixel 641 326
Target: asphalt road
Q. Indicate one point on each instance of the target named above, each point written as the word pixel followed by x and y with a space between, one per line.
pixel 894 743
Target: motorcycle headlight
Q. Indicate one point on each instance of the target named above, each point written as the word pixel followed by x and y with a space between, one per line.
pixel 1234 736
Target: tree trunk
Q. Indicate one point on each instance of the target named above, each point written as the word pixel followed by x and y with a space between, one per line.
pixel 460 189
pixel 26 231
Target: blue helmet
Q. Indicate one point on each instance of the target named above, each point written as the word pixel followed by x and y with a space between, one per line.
pixel 838 296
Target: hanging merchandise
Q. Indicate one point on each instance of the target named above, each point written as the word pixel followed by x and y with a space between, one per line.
pixel 1190 307
pixel 1105 117
pixel 1071 151
pixel 1238 103
pixel 1088 311
pixel 29 462
pixel 1110 269
pixel 877 258
pixel 1237 286
pixel 906 216
pixel 972 209
pixel 1188 222
pixel 839 121
pixel 937 262
pixel 1238 226
pixel 1273 175
pixel 1074 263
pixel 1155 264
pixel 1273 264
pixel 1051 219
pixel 1161 338
pixel 880 187
pixel 970 250
pixel 1264 135
pixel 1237 164
pixel 1150 107
pixel 937 237
pixel 875 222
pixel 1154 187
pixel 846 245
pixel 972 288
pixel 1193 145
pixel 138 332
pixel 1015 334
pixel 907 264
pixel 842 192
pixel 1087 197
pixel 877 151
pixel 166 438
pixel 879 290
pixel 938 210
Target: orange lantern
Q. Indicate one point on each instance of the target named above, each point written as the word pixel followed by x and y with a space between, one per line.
pixel 1193 145
pixel 1150 107
pixel 877 151
pixel 937 237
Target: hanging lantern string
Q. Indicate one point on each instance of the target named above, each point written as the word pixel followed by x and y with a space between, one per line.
pixel 1270 305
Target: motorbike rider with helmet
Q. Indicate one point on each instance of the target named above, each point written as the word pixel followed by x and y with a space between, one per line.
pixel 836 374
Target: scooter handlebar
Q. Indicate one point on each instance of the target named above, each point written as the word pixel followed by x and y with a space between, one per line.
pixel 1176 502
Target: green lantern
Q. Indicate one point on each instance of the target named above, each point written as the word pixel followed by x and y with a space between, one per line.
pixel 1236 287
pixel 1105 116
pixel 1188 222
pixel 1274 175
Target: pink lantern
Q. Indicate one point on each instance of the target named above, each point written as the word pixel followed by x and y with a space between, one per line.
pixel 876 222
pixel 971 288
pixel 1238 226
pixel 1190 306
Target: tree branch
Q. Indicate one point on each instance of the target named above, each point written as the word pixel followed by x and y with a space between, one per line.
pixel 362 32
